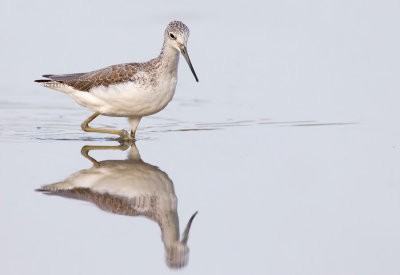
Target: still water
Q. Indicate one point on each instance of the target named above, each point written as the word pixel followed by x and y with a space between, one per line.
pixel 288 149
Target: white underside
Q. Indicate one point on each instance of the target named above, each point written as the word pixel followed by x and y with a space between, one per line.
pixel 125 99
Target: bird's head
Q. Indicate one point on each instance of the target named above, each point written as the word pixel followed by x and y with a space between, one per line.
pixel 176 36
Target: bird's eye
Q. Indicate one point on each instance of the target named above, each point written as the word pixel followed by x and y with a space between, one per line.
pixel 172 35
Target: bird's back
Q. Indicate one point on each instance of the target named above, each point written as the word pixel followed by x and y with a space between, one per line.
pixel 115 74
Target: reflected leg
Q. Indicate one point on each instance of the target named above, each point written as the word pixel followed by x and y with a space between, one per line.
pixel 85 150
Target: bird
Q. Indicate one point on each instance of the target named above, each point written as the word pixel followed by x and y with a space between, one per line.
pixel 132 90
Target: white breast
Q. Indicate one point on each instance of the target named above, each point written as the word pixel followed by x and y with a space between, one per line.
pixel 129 98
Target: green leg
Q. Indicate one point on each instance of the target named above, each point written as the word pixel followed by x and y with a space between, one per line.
pixel 134 122
pixel 85 127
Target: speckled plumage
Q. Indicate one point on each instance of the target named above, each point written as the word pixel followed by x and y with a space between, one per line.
pixel 131 90
pixel 140 73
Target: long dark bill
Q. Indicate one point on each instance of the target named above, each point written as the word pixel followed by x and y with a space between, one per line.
pixel 186 56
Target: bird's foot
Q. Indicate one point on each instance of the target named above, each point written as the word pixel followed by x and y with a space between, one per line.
pixel 125 136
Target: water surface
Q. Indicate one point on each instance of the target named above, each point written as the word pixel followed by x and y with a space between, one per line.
pixel 288 147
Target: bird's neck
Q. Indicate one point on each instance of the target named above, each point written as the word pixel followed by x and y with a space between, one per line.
pixel 169 58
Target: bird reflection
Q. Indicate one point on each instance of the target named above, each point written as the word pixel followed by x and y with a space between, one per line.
pixel 130 187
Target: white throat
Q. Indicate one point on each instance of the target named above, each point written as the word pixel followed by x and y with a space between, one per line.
pixel 169 59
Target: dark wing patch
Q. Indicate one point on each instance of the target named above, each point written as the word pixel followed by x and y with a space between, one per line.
pixel 42 80
pixel 104 77
pixel 63 77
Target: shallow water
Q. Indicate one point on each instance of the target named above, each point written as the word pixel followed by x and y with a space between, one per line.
pixel 288 147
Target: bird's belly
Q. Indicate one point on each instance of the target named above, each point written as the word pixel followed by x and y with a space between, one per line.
pixel 128 99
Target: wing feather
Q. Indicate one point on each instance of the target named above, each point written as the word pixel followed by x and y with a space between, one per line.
pixel 104 77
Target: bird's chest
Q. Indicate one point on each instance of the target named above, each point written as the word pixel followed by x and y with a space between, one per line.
pixel 153 98
pixel 166 85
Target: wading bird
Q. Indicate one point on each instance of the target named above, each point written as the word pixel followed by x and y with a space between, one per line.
pixel 132 90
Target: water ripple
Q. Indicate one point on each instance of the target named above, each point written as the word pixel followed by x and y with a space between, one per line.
pixel 35 120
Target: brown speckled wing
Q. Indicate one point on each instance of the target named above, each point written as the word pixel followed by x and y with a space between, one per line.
pixel 104 77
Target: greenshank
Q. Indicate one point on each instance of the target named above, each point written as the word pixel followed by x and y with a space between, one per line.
pixel 132 90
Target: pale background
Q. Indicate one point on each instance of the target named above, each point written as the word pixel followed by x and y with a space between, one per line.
pixel 297 174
